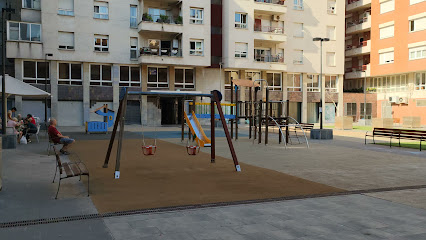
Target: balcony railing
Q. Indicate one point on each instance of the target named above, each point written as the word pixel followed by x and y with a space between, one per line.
pixel 363 44
pixel 269 58
pixel 268 29
pixel 165 52
pixel 360 21
pixel 279 2
pixel 162 18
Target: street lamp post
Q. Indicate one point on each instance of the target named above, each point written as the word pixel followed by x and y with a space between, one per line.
pixel 3 90
pixel 365 96
pixel 317 39
pixel 47 72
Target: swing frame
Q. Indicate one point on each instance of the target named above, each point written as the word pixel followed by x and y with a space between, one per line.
pixel 216 98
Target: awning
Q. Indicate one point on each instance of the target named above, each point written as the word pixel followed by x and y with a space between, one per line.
pixel 19 88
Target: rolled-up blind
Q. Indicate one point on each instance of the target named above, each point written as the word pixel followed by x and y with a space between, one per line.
pixel 66 4
pixel 66 39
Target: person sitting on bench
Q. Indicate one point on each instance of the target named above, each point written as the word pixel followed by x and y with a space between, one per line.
pixel 58 138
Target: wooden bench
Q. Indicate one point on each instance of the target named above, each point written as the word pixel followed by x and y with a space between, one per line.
pixel 416 135
pixel 69 169
pixel 307 126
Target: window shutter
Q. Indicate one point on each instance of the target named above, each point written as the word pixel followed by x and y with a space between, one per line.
pixel 241 47
pixel 66 4
pixel 66 39
pixel 387 6
pixel 134 42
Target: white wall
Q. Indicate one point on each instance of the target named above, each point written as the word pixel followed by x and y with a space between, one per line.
pixel 70 113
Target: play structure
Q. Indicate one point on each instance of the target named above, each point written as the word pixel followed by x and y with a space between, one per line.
pixel 263 114
pixel 101 127
pixel 196 130
pixel 215 100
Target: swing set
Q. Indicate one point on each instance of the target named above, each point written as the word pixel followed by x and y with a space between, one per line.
pixel 149 150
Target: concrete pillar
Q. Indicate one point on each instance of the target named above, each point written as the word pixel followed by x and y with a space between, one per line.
pixel 19 75
pixel 86 92
pixel 284 86
pixel 340 104
pixel 242 75
pixel 304 98
pixel 116 86
pixel 54 89
pixel 144 105
pixel 172 78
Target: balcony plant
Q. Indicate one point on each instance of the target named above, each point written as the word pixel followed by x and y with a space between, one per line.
pixel 146 17
pixel 164 19
pixel 179 20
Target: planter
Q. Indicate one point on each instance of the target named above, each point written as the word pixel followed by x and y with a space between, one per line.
pixel 344 123
pixel 382 122
pixel 411 122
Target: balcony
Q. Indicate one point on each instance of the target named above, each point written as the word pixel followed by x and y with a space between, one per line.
pixel 271 7
pixel 357 5
pixel 269 62
pixel 359 50
pixel 169 56
pixel 358 72
pixel 268 33
pixel 362 25
pixel 160 23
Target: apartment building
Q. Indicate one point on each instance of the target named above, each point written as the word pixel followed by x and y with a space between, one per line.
pixel 88 50
pixel 387 49
pixel 85 51
pixel 273 40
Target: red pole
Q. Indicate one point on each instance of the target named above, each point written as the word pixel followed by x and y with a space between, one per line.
pixel 213 140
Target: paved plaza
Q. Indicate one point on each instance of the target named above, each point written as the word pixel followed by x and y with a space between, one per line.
pixel 345 162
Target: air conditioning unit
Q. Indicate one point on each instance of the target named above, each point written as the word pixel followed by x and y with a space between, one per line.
pixel 403 100
pixel 394 99
pixel 275 18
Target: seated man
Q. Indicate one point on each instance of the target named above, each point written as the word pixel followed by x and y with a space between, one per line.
pixel 58 138
pixel 29 129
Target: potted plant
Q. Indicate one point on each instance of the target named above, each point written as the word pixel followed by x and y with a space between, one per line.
pixel 179 20
pixel 164 19
pixel 146 17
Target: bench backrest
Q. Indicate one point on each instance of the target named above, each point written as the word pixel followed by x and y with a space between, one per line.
pixel 58 160
pixel 416 133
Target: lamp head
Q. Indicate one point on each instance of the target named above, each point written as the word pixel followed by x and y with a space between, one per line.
pixel 49 54
pixel 317 39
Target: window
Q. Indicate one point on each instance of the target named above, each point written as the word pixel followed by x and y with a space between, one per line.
pixel 133 48
pixel 184 78
pixel 298 57
pixel 298 4
pixel 252 75
pixel 240 20
pixel 20 31
pixel 418 24
pixel 298 29
pixel 196 16
pixel 387 32
pixel 100 75
pixel 421 102
pixel 331 6
pixel 386 57
pixel 417 53
pixel 331 83
pixel 158 77
pixel 368 109
pixel 196 47
pixel 133 16
pixel 313 83
pixel 66 40
pixel 101 43
pixel 36 72
pixel 274 81
pixel 420 81
pixel 66 7
pixel 33 4
pixel 241 50
pixel 331 59
pixel 154 14
pixel 387 6
pixel 101 10
pixel 70 74
pixel 294 82
pixel 331 32
pixel 351 109
pixel 130 76
pixel 416 1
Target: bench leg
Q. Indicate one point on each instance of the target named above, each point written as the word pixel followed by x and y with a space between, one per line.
pixel 374 141
pixel 390 142
pixel 37 138
pixel 56 170
pixel 59 185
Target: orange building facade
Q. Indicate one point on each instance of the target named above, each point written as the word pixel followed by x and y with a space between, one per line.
pixel 394 65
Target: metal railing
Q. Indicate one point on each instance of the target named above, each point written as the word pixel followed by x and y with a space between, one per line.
pixel 169 19
pixel 168 52
pixel 269 58
pixel 268 29
pixel 279 2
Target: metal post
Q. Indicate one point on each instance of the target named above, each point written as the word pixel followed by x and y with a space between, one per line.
pixel 321 91
pixel 213 140
pixel 250 111
pixel 3 90
pixel 45 87
pixel 236 112
pixel 287 121
pixel 260 120
pixel 232 110
pixel 267 116
pixel 183 120
pixel 365 97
